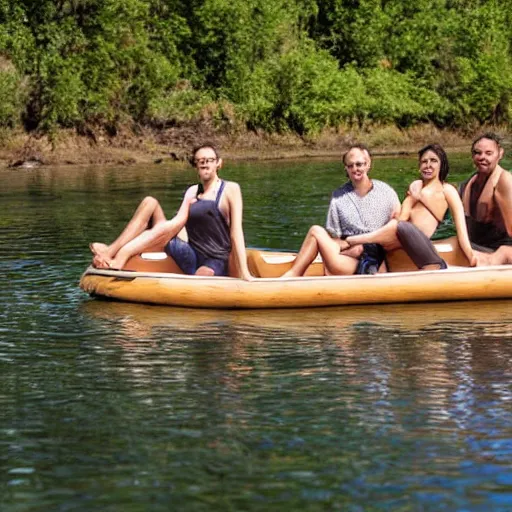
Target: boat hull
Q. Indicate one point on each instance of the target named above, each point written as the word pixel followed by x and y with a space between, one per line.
pixel 315 290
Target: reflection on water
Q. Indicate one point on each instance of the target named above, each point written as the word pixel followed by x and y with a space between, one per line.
pixel 112 406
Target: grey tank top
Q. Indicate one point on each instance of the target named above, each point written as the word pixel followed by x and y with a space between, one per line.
pixel 207 229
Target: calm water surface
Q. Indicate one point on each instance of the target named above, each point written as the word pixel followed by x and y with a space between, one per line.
pixel 111 406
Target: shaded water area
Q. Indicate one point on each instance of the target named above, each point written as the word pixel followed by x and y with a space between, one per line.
pixel 112 406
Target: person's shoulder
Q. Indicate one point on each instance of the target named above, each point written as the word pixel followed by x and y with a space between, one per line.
pixel 450 189
pixel 232 191
pixel 449 186
pixel 231 186
pixel 505 181
pixel 344 189
pixel 506 175
pixel 191 190
pixel 382 186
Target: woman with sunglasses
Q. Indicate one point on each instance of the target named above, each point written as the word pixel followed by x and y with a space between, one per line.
pixel 211 213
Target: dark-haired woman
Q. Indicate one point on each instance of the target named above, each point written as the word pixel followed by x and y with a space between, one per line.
pixel 422 211
pixel 211 212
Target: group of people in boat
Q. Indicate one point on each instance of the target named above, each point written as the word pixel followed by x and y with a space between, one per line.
pixel 364 220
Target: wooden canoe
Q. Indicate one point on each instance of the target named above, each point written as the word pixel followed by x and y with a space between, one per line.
pixel 154 278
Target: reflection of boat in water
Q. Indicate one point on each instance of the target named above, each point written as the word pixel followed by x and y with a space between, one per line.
pixel 157 281
pixel 408 317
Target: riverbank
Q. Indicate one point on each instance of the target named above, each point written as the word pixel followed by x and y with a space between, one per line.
pixel 129 147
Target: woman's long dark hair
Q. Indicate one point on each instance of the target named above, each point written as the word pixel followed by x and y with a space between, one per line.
pixel 443 157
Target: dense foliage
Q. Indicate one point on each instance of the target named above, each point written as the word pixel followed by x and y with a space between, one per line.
pixel 300 65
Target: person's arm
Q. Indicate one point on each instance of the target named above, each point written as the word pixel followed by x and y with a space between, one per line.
pixel 405 212
pixel 163 232
pixel 455 204
pixel 395 204
pixel 410 200
pixel 332 224
pixel 237 235
pixel 504 199
pixel 181 216
pixel 415 189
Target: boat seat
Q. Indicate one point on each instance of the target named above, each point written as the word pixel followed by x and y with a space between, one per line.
pixel 276 264
pixel 153 262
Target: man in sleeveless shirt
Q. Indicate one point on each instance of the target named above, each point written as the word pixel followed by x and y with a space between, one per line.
pixel 211 213
pixel 359 206
pixel 487 200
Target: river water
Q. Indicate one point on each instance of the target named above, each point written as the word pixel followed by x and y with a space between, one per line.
pixel 111 406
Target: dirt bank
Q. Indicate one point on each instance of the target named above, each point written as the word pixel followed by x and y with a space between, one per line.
pixel 127 147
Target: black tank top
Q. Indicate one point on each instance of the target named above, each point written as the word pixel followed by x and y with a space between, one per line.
pixel 207 229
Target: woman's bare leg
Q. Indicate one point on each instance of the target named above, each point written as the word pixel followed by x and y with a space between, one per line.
pixel 205 271
pixel 306 255
pixel 385 236
pixel 154 238
pixel 317 241
pixel 336 263
pixel 149 212
pixel 501 256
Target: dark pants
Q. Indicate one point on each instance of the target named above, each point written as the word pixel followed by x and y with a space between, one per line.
pixel 418 246
pixel 371 259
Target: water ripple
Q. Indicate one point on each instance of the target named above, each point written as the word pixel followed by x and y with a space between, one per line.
pixel 127 407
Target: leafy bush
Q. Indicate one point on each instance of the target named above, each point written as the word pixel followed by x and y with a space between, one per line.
pixel 394 97
pixel 306 91
pixel 181 104
pixel 13 93
pixel 303 90
pixel 300 65
pixel 483 90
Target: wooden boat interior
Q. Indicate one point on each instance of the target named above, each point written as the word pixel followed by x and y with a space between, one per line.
pixel 272 264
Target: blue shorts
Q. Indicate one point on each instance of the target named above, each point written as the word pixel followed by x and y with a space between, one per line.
pixel 189 260
pixel 371 259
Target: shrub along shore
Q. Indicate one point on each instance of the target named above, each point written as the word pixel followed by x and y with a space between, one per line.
pixel 100 77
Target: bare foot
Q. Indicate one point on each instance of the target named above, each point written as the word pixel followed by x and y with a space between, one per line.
pixel 482 259
pixel 116 263
pixel 98 249
pixel 100 262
